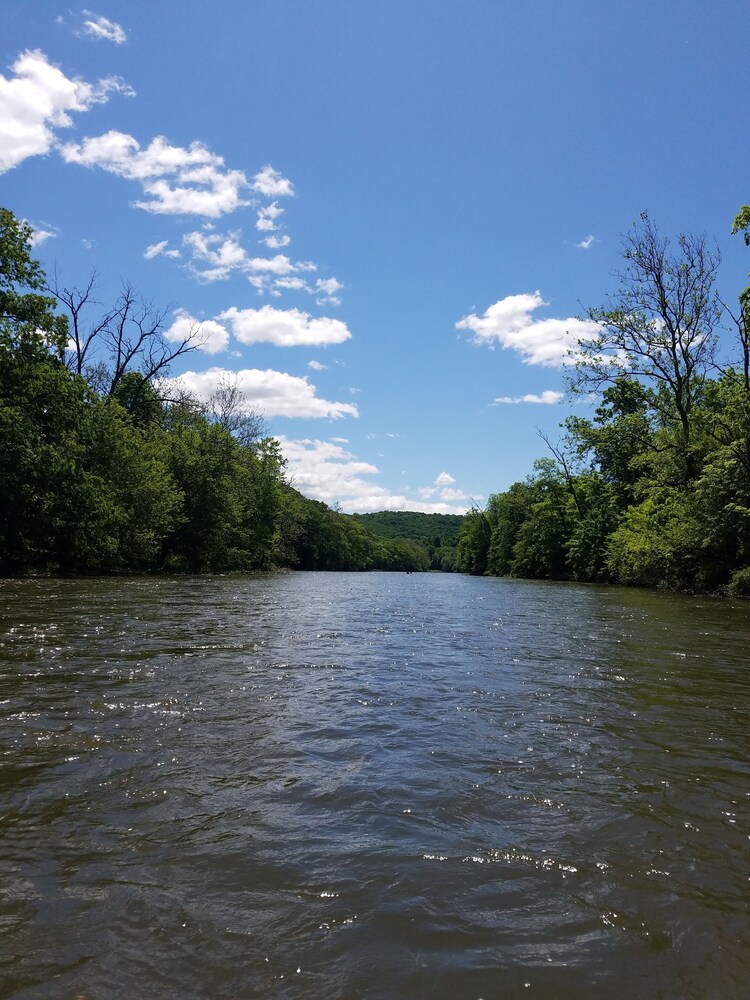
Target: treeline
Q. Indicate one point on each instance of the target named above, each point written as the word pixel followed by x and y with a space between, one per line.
pixel 437 534
pixel 655 489
pixel 102 471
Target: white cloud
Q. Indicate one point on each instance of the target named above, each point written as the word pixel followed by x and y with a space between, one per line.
pixel 222 254
pixel 270 183
pixel 328 285
pixel 540 342
pixel 39 234
pixel 214 256
pixel 101 28
pixel 175 179
pixel 549 397
pixel 277 242
pixel 39 99
pixel 325 471
pixel 317 366
pixel 280 264
pixel 586 243
pixel 451 494
pixel 444 479
pixel 160 250
pixel 284 327
pixel 292 284
pixel 442 487
pixel 154 249
pixel 207 335
pixel 267 217
pixel 327 289
pixel 275 394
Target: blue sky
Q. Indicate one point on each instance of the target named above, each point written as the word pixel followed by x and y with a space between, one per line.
pixel 386 216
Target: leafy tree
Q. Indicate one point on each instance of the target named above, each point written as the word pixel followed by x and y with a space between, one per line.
pixel 540 549
pixel 474 542
pixel 658 328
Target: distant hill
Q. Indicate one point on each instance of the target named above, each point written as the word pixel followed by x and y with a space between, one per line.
pixel 434 531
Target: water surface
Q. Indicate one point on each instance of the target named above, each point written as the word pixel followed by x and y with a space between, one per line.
pixel 372 785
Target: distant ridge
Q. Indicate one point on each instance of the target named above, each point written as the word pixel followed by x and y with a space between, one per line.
pixel 412 525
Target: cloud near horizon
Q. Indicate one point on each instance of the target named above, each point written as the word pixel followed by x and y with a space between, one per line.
pixel 546 342
pixel 323 470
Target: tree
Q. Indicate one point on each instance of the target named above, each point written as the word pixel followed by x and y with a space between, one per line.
pixel 128 338
pixel 474 541
pixel 228 407
pixel 658 328
pixel 27 320
pixel 619 441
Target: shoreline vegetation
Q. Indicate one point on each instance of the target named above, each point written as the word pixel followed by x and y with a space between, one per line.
pixel 654 491
pixel 106 469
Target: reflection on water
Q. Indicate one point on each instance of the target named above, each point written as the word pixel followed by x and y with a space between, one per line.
pixel 334 785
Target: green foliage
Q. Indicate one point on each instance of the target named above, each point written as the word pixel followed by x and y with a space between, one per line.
pixel 473 546
pixel 434 529
pixel 99 475
pixel 742 223
pixel 739 585
pixel 436 534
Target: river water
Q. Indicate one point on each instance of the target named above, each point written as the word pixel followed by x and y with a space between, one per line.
pixel 372 785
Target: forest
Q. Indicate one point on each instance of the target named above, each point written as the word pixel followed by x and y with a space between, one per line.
pixel 436 533
pixel 654 490
pixel 102 471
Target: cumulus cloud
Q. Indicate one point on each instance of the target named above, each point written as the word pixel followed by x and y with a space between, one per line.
pixel 207 335
pixel 277 242
pixel 267 217
pixel 284 327
pixel 317 366
pixel 40 234
pixel 586 243
pixel 323 470
pixel 279 264
pixel 38 99
pixel 270 183
pixel 274 394
pixel 549 397
pixel 443 487
pixel 444 479
pixel 539 341
pixel 175 179
pixel 327 289
pixel 160 250
pixel 451 494
pixel 102 28
pixel 215 256
pixel 291 284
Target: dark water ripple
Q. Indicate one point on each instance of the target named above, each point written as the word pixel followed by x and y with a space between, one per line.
pixel 372 786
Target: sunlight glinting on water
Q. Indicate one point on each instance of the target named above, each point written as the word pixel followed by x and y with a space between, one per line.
pixel 336 785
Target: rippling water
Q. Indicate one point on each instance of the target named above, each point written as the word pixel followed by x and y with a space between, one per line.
pixel 372 785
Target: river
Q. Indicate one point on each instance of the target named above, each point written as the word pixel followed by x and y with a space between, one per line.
pixel 372 785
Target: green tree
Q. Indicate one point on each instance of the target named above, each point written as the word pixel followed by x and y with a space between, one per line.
pixel 658 328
